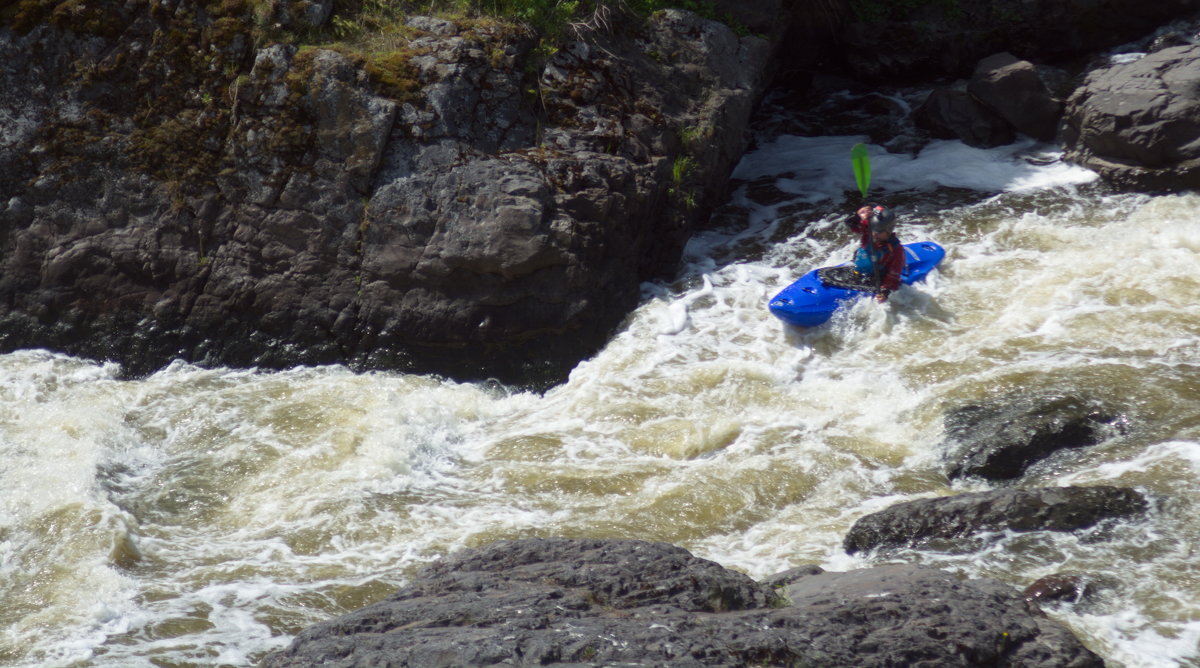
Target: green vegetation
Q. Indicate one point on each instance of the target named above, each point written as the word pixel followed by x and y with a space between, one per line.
pixel 692 134
pixel 371 32
pixel 681 167
pixel 76 15
pixel 368 22
pixel 374 33
pixel 372 24
pixel 178 101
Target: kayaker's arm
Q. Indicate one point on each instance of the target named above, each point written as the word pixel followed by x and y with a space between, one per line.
pixel 858 219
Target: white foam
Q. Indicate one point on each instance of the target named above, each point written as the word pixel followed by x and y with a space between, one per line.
pixel 818 169
pixel 705 422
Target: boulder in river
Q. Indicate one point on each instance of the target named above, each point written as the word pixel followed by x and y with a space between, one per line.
pixel 950 112
pixel 1060 587
pixel 586 602
pixel 962 515
pixel 1001 439
pixel 1137 122
pixel 1014 90
pixel 1005 95
pixel 906 615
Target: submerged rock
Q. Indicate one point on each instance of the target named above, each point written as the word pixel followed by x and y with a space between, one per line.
pixel 1001 439
pixel 962 515
pixel 618 602
pixel 1060 587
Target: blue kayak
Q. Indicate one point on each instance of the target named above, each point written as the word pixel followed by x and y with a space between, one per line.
pixel 813 298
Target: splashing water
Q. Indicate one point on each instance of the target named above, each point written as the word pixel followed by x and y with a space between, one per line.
pixel 203 517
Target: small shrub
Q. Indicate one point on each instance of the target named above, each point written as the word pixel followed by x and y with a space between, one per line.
pixel 681 167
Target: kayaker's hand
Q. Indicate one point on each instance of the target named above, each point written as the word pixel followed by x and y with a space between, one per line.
pixel 881 296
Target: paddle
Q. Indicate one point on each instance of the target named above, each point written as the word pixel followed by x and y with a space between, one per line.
pixel 862 167
pixel 862 175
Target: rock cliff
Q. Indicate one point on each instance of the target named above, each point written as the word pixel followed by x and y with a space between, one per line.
pixel 178 184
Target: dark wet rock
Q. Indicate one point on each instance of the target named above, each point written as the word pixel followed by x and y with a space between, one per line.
pixel 1060 587
pixel 1138 123
pixel 792 575
pixel 1014 90
pixel 1020 510
pixel 1003 97
pixel 766 192
pixel 613 602
pixel 1001 439
pixel 950 112
pixel 903 615
pixel 1169 39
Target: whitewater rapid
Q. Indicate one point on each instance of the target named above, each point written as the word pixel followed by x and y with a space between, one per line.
pixel 205 516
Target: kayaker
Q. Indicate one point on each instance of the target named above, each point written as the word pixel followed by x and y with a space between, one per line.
pixel 880 254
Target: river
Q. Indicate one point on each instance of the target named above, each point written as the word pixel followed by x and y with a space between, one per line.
pixel 202 517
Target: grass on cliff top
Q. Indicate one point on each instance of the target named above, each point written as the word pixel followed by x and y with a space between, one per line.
pixel 182 99
pixel 551 20
pixel 374 32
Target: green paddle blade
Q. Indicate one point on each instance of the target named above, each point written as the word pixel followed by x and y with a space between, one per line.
pixel 862 167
